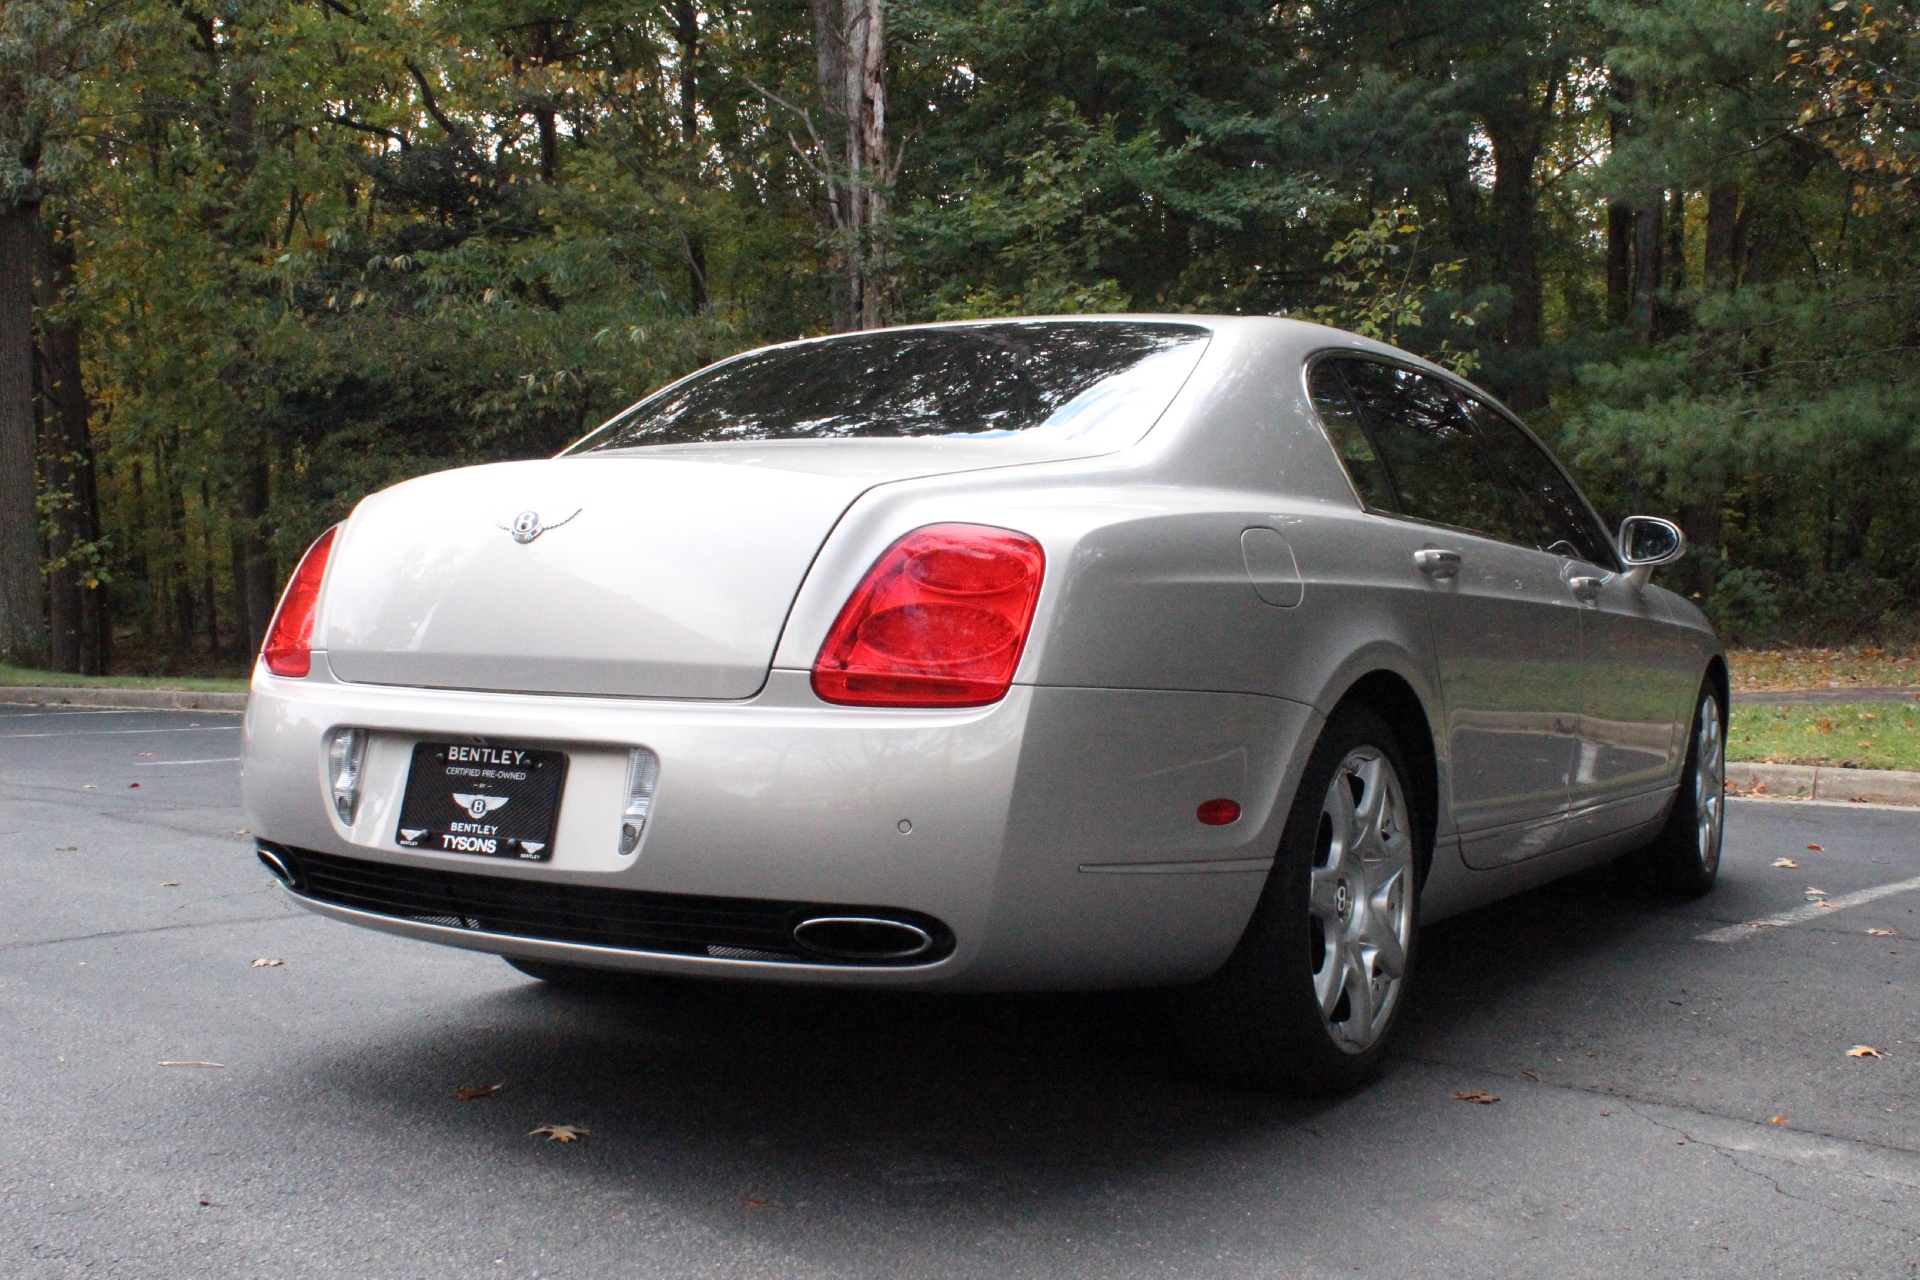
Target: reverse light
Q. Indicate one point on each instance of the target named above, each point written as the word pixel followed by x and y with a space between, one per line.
pixel 939 621
pixel 643 775
pixel 346 752
pixel 289 647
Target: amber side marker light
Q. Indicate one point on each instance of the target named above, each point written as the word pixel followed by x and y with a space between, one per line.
pixel 939 621
pixel 1218 813
pixel 289 647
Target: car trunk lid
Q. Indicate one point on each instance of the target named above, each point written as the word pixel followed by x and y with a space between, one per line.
pixel 661 572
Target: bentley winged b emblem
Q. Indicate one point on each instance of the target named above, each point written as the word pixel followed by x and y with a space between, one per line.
pixel 527 526
pixel 480 806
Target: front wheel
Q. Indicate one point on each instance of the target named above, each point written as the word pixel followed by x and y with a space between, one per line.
pixel 1308 998
pixel 1684 858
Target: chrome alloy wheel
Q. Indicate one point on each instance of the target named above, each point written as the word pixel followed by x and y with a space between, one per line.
pixel 1709 782
pixel 1360 899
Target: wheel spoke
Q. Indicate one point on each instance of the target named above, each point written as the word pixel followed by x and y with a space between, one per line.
pixel 1332 978
pixel 1360 1004
pixel 1389 957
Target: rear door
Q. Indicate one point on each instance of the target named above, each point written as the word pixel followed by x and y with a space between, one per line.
pixel 1506 626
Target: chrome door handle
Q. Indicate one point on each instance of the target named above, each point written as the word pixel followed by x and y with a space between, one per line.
pixel 1438 564
pixel 1587 589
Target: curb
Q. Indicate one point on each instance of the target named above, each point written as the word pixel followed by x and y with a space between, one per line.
pixel 123 699
pixel 1823 782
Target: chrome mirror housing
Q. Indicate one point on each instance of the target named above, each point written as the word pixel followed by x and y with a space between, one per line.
pixel 1646 543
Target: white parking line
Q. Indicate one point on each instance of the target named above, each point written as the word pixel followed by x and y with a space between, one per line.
pixel 100 733
pixel 5 714
pixel 1812 911
pixel 148 764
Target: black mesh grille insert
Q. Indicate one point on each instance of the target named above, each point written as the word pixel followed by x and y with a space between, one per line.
pixel 679 924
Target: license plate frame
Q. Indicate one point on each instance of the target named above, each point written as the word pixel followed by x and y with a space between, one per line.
pixel 490 800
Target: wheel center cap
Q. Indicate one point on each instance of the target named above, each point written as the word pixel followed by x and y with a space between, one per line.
pixel 1343 901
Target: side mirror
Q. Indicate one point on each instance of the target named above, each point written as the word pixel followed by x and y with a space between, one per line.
pixel 1647 542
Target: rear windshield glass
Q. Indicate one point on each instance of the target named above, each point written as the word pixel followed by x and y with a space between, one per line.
pixel 1104 381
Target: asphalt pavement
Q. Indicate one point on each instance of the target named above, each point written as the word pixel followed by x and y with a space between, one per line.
pixel 1670 1102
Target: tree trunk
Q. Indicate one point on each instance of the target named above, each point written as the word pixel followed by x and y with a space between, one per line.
pixel 850 45
pixel 1619 263
pixel 256 488
pixel 1516 136
pixel 1646 265
pixel 76 604
pixel 23 630
pixel 1676 251
pixel 1721 265
pixel 686 22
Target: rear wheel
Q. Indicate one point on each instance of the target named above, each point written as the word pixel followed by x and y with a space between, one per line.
pixel 1307 1000
pixel 1684 858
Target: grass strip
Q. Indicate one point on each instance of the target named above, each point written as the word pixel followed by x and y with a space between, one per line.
pixel 18 676
pixel 1860 735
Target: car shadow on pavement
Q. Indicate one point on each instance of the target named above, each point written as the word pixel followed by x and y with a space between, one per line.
pixel 765 1096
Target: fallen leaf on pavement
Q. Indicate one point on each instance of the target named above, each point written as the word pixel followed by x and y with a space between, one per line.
pixel 66 848
pixel 1816 848
pixel 264 963
pixel 169 884
pixel 1865 1051
pixel 468 1092
pixel 1475 1095
pixel 1883 933
pixel 754 1202
pixel 560 1132
pixel 1779 1120
pixel 132 785
pixel 221 1065
pixel 1788 863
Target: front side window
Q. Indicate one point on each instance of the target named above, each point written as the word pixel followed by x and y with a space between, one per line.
pixel 1098 382
pixel 1434 462
pixel 1565 525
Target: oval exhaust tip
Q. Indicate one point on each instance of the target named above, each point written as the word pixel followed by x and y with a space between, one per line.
pixel 868 938
pixel 281 872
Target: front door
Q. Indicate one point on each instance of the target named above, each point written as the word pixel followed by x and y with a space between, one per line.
pixel 1637 679
pixel 1506 626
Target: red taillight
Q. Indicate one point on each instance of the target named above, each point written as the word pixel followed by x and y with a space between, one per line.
pixel 288 650
pixel 939 621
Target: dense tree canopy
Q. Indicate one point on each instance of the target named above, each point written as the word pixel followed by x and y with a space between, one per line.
pixel 259 257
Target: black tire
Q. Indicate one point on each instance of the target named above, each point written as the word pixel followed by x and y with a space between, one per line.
pixel 1684 859
pixel 1258 1021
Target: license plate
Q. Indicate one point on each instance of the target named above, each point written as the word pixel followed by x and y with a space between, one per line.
pixel 496 801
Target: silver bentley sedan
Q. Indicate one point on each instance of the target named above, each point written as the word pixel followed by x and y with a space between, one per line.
pixel 1206 653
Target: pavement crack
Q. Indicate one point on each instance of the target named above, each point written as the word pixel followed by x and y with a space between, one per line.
pixel 132 933
pixel 1733 1157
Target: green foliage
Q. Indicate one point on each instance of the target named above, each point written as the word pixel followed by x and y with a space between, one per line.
pixel 328 244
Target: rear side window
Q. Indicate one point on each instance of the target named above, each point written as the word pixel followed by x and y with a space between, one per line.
pixel 1432 458
pixel 1565 525
pixel 1349 437
pixel 1105 381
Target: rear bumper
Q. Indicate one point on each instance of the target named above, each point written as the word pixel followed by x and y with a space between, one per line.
pixel 1052 833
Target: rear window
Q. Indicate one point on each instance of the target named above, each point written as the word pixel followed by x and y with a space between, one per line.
pixel 1103 381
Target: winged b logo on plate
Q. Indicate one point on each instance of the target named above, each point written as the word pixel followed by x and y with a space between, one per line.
pixel 527 525
pixel 480 806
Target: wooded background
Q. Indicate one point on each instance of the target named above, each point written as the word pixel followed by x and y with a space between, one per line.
pixel 259 258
